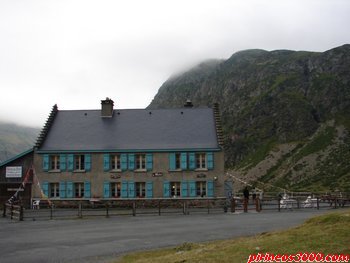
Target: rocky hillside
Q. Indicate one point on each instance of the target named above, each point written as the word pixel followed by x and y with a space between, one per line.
pixel 285 114
pixel 15 139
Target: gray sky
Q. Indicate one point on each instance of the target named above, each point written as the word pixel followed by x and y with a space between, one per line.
pixel 77 52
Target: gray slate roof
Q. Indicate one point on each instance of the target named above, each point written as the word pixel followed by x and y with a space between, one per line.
pixel 132 129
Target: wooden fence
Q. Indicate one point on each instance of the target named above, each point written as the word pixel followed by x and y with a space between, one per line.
pixel 68 209
pixel 85 208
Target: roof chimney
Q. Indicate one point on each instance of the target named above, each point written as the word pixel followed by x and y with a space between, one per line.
pixel 107 108
pixel 188 104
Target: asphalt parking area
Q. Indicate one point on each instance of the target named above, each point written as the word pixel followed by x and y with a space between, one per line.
pixel 101 239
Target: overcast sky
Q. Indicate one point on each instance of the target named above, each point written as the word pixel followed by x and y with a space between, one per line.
pixel 77 52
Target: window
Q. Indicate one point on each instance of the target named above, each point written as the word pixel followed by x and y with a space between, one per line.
pixel 79 162
pixel 201 188
pixel 54 162
pixel 140 189
pixel 79 190
pixel 140 162
pixel 115 189
pixel 201 161
pixel 175 189
pixel 115 162
pixel 177 161
pixel 54 190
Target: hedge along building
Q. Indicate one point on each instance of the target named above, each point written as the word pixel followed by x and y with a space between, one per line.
pixel 132 153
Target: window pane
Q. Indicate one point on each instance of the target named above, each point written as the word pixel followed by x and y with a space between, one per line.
pixel 115 162
pixel 141 161
pixel 79 190
pixel 175 189
pixel 54 162
pixel 178 161
pixel 115 187
pixel 140 189
pixel 201 189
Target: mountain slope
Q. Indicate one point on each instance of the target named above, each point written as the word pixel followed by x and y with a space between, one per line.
pixel 272 99
pixel 15 139
pixel 184 85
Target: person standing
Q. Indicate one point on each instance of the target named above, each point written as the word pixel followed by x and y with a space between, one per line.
pixel 246 199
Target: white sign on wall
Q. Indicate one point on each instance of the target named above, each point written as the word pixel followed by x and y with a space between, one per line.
pixel 13 171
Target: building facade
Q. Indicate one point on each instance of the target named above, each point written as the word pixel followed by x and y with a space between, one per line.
pixel 12 173
pixel 110 153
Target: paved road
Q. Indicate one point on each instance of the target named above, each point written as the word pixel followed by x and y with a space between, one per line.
pixel 99 240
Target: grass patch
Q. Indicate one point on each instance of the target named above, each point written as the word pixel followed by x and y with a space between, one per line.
pixel 320 142
pixel 259 155
pixel 343 119
pixel 328 234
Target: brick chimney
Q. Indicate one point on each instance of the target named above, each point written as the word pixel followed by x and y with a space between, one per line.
pixel 107 108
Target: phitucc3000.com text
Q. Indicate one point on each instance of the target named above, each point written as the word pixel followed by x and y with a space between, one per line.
pixel 298 257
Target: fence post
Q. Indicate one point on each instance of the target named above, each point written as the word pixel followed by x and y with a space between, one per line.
pixel 134 208
pixel 298 203
pixel 51 211
pixel 186 212
pixel 279 204
pixel 11 212
pixel 107 210
pixel 159 207
pixel 208 206
pixel 233 205
pixel 4 213
pixel 80 212
pixel 318 203
pixel 335 202
pixel 257 204
pixel 245 205
pixel 184 207
pixel 21 213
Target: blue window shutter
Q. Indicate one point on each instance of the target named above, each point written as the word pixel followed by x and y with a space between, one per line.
pixel 45 162
pixel 131 163
pixel 166 189
pixel 70 162
pixel 172 161
pixel 87 160
pixel 149 161
pixel 63 162
pixel 149 189
pixel 106 157
pixel 124 193
pixel 192 160
pixel 192 185
pixel 87 189
pixel 46 189
pixel 210 188
pixel 184 188
pixel 123 162
pixel 106 190
pixel 131 189
pixel 184 161
pixel 210 160
pixel 69 189
pixel 62 189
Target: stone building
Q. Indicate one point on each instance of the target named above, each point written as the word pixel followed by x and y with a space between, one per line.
pixel 132 153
